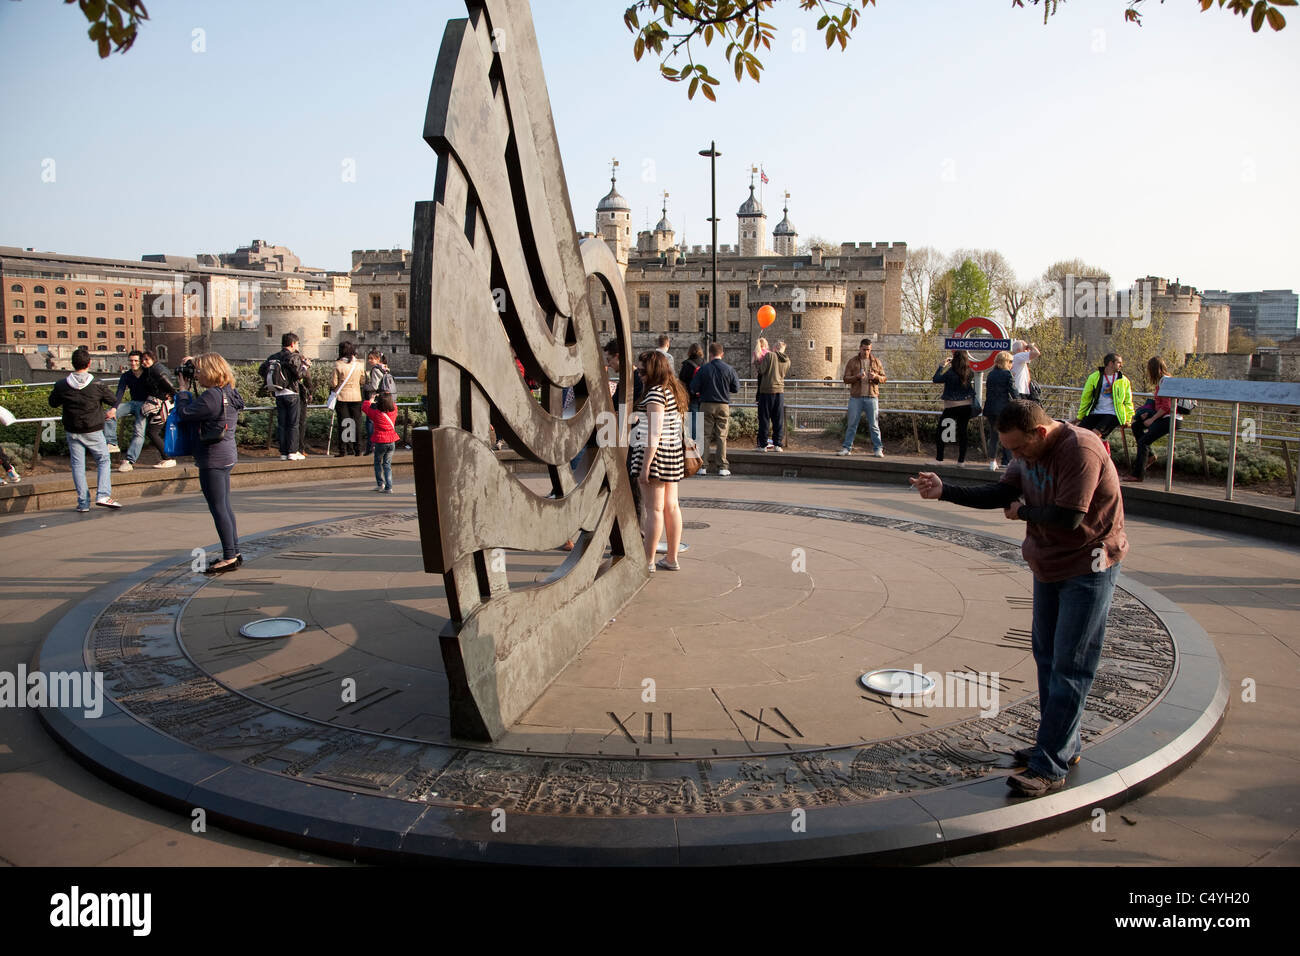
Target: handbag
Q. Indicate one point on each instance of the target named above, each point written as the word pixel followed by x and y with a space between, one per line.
pixel 1035 392
pixel 691 453
pixel 1186 406
pixel 178 438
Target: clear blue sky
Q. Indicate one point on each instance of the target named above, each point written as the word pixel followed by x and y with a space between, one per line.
pixel 1167 149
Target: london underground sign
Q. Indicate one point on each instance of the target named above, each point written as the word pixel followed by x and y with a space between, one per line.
pixel 991 342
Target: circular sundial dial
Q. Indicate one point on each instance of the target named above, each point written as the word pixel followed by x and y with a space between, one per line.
pixel 731 689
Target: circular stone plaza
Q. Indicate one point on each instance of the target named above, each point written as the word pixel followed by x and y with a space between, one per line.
pixel 719 718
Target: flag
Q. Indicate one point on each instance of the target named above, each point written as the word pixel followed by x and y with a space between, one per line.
pixel 763 176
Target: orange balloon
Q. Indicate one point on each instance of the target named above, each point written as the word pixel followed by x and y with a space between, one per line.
pixel 766 316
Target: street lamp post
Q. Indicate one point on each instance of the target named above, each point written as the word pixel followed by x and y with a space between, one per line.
pixel 713 154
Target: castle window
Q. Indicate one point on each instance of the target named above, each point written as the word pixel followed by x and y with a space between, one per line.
pixel 80 292
pixel 101 320
pixel 61 319
pixel 119 335
pixel 83 334
pixel 100 307
pixel 702 325
pixel 81 320
pixel 81 306
pixel 61 334
pixel 374 301
pixel 674 300
pixel 796 321
pixel 704 300
pixel 38 304
pixel 40 319
pixel 1107 326
pixel 604 325
pixel 859 327
pixel 374 325
pixel 121 348
pixel 643 300
pixel 674 325
pixel 38 288
pixel 401 300
pixel 60 290
pixel 118 307
pixel 41 334
pixel 733 325
pixel 20 334
pixel 15 288
pixel 118 294
pixel 119 321
pixel 18 304
pixel 859 300
pixel 733 300
pixel 60 305
pixel 643 325
pixel 830 355
pixel 401 325
pixel 325 330
pixel 17 318
pixel 268 334
pixel 604 298
pixel 100 292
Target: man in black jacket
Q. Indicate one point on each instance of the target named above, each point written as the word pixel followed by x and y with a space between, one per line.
pixel 713 385
pixel 83 401
pixel 288 406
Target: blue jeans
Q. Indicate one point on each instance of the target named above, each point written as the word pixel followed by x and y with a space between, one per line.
pixel 384 464
pixel 137 440
pixel 1146 437
pixel 287 411
pixel 93 442
pixel 1069 625
pixel 857 408
pixel 993 444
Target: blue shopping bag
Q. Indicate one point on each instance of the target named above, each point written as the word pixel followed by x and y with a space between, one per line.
pixel 178 436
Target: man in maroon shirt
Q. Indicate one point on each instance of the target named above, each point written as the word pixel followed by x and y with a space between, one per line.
pixel 1063 485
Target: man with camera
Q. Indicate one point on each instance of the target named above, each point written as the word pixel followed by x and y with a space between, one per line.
pixel 282 379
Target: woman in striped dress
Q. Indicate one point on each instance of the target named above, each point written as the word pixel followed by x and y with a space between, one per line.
pixel 657 459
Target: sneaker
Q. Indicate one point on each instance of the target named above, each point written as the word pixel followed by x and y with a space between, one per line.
pixel 108 503
pixel 113 449
pixel 724 473
pixel 993 466
pixel 651 567
pixel 845 451
pixel 12 474
pixel 878 453
pixel 703 471
pixel 297 456
pixel 1032 784
pixel 379 489
pixel 1022 756
pixel 284 457
pixel 776 448
pixel 168 463
pixel 126 466
pixel 388 491
pixel 82 509
pixel 663 563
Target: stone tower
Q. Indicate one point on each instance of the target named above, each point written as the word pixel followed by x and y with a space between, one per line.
pixel 752 227
pixel 809 316
pixel 614 220
pixel 785 237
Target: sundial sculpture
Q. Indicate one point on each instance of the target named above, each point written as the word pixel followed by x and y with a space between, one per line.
pixel 497 266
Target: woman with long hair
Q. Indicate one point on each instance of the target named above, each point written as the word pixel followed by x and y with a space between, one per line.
pixel 348 373
pixel 657 459
pixel 958 401
pixel 216 412
pixel 1151 423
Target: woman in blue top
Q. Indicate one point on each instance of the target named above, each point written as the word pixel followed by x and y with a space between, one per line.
pixel 219 404
pixel 958 401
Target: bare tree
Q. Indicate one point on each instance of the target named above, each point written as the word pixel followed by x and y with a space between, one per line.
pixel 925 266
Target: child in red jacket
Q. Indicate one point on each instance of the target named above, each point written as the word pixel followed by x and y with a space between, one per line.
pixel 382 412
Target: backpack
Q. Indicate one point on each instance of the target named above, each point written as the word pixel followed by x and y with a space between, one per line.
pixel 272 374
pixel 384 382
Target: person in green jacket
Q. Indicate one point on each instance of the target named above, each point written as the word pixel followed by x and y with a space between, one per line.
pixel 1107 400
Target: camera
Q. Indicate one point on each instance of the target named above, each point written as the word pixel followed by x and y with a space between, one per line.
pixel 185 371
